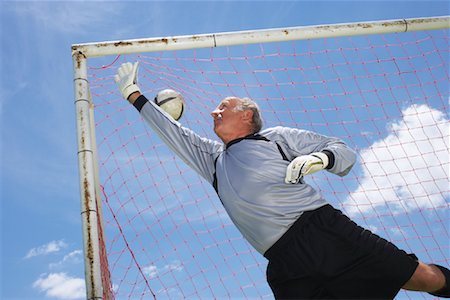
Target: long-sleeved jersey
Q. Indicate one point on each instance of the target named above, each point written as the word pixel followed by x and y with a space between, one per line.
pixel 249 173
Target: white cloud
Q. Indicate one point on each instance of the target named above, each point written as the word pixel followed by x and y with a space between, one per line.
pixel 153 271
pixel 61 286
pixel 408 169
pixel 174 266
pixel 51 247
pixel 74 257
pixel 150 271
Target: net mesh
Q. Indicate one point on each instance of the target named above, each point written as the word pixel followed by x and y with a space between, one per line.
pixel 386 96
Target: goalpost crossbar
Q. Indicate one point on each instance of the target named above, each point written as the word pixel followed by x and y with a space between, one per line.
pixel 259 36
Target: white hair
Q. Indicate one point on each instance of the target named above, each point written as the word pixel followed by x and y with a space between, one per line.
pixel 248 104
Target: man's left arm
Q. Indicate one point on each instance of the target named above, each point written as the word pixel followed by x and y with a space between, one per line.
pixel 312 152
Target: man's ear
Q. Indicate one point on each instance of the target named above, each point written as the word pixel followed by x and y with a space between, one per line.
pixel 247 115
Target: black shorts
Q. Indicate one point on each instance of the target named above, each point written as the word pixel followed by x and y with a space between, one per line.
pixel 325 255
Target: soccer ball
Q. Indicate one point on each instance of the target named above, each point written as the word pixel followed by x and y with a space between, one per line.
pixel 171 102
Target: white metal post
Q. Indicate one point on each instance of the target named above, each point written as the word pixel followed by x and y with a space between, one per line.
pixel 261 36
pixel 86 161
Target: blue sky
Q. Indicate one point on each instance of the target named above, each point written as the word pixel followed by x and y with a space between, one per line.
pixel 40 212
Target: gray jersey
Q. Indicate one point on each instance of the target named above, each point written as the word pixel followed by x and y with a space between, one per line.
pixel 250 172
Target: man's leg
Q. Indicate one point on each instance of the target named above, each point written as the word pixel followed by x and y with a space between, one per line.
pixel 300 288
pixel 430 278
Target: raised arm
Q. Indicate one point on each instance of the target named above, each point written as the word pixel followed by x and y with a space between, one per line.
pixel 197 152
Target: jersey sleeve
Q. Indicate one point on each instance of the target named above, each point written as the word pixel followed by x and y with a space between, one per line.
pixel 197 152
pixel 297 142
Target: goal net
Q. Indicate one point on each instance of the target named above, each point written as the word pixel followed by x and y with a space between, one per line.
pixel 166 234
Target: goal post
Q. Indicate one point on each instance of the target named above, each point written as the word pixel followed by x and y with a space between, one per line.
pixel 189 216
pixel 89 182
pixel 259 36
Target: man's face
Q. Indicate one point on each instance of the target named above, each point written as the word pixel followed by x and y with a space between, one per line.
pixel 228 121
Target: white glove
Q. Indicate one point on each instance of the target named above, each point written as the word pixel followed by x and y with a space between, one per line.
pixel 126 79
pixel 305 165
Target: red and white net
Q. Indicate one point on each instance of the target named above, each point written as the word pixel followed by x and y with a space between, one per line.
pixel 386 96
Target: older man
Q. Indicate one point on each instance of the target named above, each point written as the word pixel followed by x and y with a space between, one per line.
pixel 314 251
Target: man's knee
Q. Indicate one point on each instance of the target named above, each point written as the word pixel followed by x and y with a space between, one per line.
pixel 427 278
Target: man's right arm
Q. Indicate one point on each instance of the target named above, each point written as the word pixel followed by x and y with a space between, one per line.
pixel 197 152
pixel 133 97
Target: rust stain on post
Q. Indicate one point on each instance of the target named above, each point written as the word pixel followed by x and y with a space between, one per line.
pixel 89 246
pixel 82 140
pixel 163 40
pixel 388 24
pixel 141 42
pixel 87 200
pixel 419 21
pixel 122 43
pixel 80 92
pixel 366 25
pixel 79 56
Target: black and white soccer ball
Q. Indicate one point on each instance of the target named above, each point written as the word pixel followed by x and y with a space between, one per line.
pixel 171 102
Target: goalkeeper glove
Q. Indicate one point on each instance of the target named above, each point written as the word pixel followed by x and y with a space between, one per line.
pixel 305 165
pixel 126 79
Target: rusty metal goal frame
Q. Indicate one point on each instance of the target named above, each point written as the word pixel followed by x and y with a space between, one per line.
pixel 87 155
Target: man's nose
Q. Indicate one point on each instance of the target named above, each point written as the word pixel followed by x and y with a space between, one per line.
pixel 217 113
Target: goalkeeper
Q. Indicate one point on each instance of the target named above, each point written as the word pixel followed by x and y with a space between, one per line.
pixel 314 251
